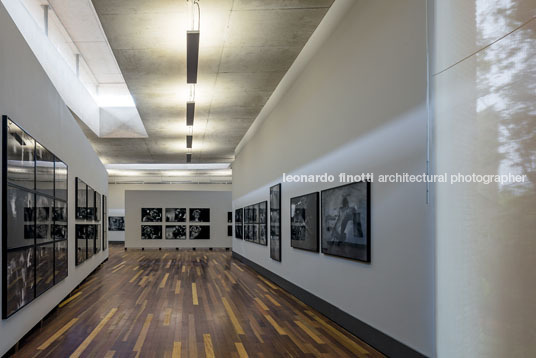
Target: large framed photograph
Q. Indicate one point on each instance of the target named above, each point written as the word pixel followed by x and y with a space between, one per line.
pixel 239 234
pixel 263 222
pixel 60 179
pixel 177 215
pixel 304 222
pixel 81 243
pixel 345 215
pixel 238 223
pixel 176 232
pixel 151 214
pixel 275 222
pixel 44 262
pixel 90 204
pixel 60 257
pixel 229 217
pixel 198 215
pixel 44 170
pixel 199 232
pixel 91 236
pixel 98 206
pixel 151 232
pixel 116 223
pixel 104 223
pixel 20 218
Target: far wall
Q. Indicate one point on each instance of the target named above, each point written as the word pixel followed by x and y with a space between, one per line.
pixel 219 203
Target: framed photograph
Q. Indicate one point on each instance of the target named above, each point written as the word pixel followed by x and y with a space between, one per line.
pixel 263 211
pixel 263 228
pixel 238 223
pixel 151 215
pixel 44 263
pixel 304 222
pixel 176 232
pixel 239 213
pixel 81 243
pixel 60 257
pixel 59 212
pixel 199 215
pixel 98 241
pixel 44 170
pixel 58 232
pixel 199 232
pixel 275 222
pixel 229 230
pixel 60 179
pixel 105 223
pixel 20 153
pixel 91 236
pixel 43 216
pixel 98 206
pixel 20 279
pixel 81 199
pixel 151 232
pixel 345 217
pixel 229 217
pixel 116 223
pixel 177 215
pixel 239 234
pixel 90 203
pixel 20 218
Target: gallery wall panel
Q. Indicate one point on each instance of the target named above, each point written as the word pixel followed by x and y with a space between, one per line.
pixel 168 219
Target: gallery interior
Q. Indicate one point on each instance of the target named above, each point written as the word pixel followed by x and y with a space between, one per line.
pixel 268 178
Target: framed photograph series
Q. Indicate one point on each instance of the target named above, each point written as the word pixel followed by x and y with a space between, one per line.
pixel 194 224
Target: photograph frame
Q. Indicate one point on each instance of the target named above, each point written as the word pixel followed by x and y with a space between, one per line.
pixel 316 217
pixel 275 253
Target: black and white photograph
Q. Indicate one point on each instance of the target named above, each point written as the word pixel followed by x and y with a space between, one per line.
pixel 199 215
pixel 44 264
pixel 275 222
pixel 239 231
pixel 60 257
pixel 176 232
pixel 42 212
pixel 20 157
pixel 58 231
pixel 90 234
pixel 262 210
pixel 60 179
pixel 151 232
pixel 90 203
pixel 81 199
pixel 104 222
pixel 151 215
pixel 81 243
pixel 177 215
pixel 44 170
pixel 116 223
pixel 238 215
pixel 41 232
pixel 199 232
pixel 98 206
pixel 229 230
pixel 262 234
pixel 59 212
pixel 20 217
pixel 345 215
pixel 98 241
pixel 304 222
pixel 20 279
pixel 230 217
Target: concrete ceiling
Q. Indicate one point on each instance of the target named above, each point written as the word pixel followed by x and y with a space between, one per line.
pixel 246 47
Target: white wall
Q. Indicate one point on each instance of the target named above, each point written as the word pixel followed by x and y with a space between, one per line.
pixel 485 122
pixel 358 106
pixel 116 199
pixel 219 203
pixel 28 97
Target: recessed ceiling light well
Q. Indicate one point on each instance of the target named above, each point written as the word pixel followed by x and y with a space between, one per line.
pixel 192 41
pixel 190 112
pixel 189 140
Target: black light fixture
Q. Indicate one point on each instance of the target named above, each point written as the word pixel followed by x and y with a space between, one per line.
pixel 189 139
pixel 188 158
pixel 190 112
pixel 192 55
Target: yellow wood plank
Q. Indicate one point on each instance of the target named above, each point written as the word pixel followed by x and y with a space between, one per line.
pixel 109 354
pixel 178 287
pixel 310 332
pixel 198 269
pixel 167 316
pixel 56 335
pixel 241 350
pixel 274 324
pixel 274 287
pixel 135 276
pixel 194 294
pixel 119 264
pixel 271 299
pixel 240 269
pixel 82 347
pixel 164 280
pixel 263 306
pixel 168 264
pixel 262 287
pixel 183 268
pixel 69 299
pixel 232 316
pixel 209 348
pixel 231 278
pixel 143 333
pixel 176 350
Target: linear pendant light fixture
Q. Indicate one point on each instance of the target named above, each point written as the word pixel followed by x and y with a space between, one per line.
pixel 192 64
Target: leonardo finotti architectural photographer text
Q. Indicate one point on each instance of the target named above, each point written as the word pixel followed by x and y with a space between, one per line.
pixel 406 178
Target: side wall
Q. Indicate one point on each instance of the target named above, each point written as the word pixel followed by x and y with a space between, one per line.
pixel 28 97
pixel 359 106
pixel 484 80
pixel 219 203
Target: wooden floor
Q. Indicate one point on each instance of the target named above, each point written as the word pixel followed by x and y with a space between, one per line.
pixel 186 304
